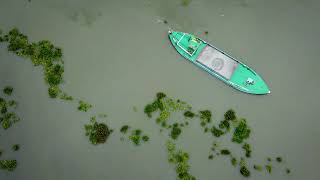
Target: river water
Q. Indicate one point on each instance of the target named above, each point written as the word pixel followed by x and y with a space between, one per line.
pixel 117 56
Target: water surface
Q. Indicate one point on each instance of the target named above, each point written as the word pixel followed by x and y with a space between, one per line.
pixel 117 55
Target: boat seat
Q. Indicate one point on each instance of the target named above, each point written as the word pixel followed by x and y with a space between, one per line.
pixel 217 61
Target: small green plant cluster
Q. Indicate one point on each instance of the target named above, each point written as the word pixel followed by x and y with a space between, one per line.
pixel 16 147
pixel 241 131
pixel 8 90
pixel 244 171
pixel 9 165
pixel 175 131
pixel 42 53
pixel 136 137
pixel 188 114
pixel 205 117
pixel 247 149
pixel 185 2
pixel 84 106
pixel 155 105
pixel 98 132
pixel 167 106
pixel 216 132
pixel 124 129
pixel 7 115
pixel 230 115
pixel 180 160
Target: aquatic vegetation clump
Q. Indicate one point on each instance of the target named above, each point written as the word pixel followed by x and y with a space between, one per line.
pixel 150 108
pixel 216 132
pixel 136 137
pixel 224 125
pixel 53 91
pixel 279 159
pixel 42 53
pixel 233 161
pixel 205 116
pixel 145 138
pixel 257 167
pixel 269 168
pixel 248 150
pixel 157 104
pixel 210 156
pixel 225 152
pixel 244 171
pixel 15 147
pixel 180 160
pixel 288 171
pixel 241 132
pixel 175 131
pixel 12 103
pixel 8 119
pixel 185 2
pixel 83 106
pixel 188 114
pixel 9 165
pixel 124 129
pixel 230 115
pixel 161 95
pixel 98 132
pixel 8 90
pixel 65 96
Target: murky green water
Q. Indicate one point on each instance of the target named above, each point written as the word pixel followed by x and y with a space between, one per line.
pixel 117 56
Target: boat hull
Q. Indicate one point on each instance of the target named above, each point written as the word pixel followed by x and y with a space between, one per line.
pixel 218 64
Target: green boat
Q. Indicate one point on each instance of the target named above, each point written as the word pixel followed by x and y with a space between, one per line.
pixel 218 63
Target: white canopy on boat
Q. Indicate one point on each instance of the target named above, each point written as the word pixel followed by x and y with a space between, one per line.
pixel 217 61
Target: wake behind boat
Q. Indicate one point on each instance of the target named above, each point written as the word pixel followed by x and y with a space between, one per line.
pixel 217 63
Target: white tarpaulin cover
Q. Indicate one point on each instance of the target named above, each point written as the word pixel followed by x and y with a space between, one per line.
pixel 217 62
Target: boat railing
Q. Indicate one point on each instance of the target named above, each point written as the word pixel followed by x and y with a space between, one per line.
pixel 186 51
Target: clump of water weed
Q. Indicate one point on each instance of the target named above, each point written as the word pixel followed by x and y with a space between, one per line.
pixel 8 90
pixel 136 137
pixel 241 132
pixel 244 171
pixel 98 132
pixel 42 53
pixel 9 165
pixel 15 147
pixel 247 149
pixel 180 160
pixel 84 106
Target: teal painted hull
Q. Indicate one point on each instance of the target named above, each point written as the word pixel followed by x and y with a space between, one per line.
pixel 218 64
